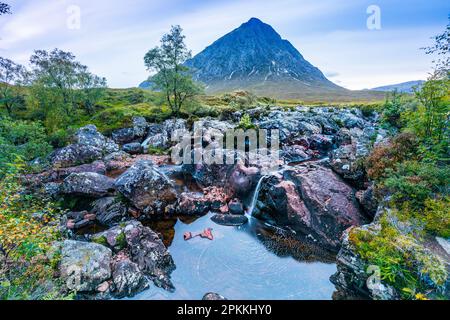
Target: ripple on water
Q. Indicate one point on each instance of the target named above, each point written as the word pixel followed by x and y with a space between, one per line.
pixel 238 265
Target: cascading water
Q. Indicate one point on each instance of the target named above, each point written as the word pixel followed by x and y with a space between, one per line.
pixel 255 196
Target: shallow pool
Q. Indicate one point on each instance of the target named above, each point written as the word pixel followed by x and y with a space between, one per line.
pixel 248 262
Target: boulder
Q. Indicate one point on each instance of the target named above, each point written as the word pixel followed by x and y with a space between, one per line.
pixel 345 162
pixel 351 276
pixel 128 279
pixel 132 148
pixel 74 154
pixel 192 203
pixel 309 199
pixel 89 136
pixel 349 120
pixel 84 266
pixel 76 220
pixel 145 249
pixel 211 296
pixel 87 184
pixel 147 188
pixel 109 211
pixel 158 140
pixel 140 127
pixel 368 201
pixel 229 219
pixel 122 136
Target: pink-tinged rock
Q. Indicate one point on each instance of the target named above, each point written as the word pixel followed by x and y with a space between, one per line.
pixel 312 200
pixel 103 287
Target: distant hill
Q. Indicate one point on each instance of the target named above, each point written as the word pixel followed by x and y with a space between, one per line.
pixel 404 87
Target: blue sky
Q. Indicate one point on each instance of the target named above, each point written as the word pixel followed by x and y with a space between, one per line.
pixel 114 35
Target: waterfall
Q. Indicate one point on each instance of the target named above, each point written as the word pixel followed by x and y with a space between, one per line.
pixel 255 196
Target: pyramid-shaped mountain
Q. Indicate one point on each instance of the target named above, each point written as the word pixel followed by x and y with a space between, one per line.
pixel 254 57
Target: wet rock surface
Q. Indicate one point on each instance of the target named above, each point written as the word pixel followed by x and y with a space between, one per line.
pixel 310 199
pixel 230 219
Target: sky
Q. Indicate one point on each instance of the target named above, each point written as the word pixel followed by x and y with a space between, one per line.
pixel 112 37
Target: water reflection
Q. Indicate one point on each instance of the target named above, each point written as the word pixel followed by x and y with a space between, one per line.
pixel 247 262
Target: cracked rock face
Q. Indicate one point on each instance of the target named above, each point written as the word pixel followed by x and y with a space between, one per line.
pixel 144 247
pixel 109 211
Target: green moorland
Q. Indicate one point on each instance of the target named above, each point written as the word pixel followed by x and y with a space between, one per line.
pixel 39 112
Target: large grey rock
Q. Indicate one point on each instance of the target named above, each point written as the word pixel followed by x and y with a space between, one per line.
pixel 132 148
pixel 88 184
pixel 84 266
pixel 147 188
pixel 124 135
pixel 74 155
pixel 89 136
pixel 140 127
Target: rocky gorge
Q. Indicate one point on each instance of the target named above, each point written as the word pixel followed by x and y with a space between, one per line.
pixel 116 191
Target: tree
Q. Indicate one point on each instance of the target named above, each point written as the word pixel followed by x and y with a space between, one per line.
pixel 12 75
pixel 172 77
pixel 92 89
pixel 4 8
pixel 433 95
pixel 441 48
pixel 60 80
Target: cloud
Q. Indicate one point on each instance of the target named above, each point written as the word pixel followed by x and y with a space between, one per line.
pixel 114 35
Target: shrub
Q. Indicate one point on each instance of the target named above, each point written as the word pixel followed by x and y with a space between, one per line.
pixel 23 139
pixel 246 123
pixel 416 182
pixel 403 263
pixel 384 157
pixel 28 228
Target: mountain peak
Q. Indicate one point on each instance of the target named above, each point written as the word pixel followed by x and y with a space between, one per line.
pixel 254 21
pixel 254 56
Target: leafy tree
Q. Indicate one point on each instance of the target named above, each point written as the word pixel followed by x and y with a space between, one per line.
pixel 441 48
pixel 92 89
pixel 433 95
pixel 69 81
pixel 5 8
pixel 12 75
pixel 172 77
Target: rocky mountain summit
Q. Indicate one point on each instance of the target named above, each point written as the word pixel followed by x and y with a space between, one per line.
pixel 254 56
